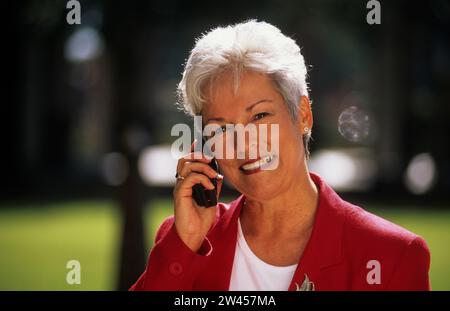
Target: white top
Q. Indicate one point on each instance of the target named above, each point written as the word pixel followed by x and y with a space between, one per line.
pixel 251 273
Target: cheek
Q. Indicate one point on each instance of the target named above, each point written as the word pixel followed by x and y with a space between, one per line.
pixel 290 149
pixel 282 129
pixel 227 167
pixel 290 135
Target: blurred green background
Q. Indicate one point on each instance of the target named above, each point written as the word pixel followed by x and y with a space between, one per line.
pixel 37 243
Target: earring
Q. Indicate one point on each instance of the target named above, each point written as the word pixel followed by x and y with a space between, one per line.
pixel 306 129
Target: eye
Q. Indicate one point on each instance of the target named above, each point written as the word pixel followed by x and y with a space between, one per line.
pixel 260 115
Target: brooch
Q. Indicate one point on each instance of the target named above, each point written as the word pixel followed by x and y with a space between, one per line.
pixel 307 285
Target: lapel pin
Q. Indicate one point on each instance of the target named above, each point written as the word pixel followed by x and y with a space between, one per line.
pixel 306 285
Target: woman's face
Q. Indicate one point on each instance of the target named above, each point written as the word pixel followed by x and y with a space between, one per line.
pixel 258 102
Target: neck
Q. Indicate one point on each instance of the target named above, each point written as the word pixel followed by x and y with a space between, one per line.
pixel 288 214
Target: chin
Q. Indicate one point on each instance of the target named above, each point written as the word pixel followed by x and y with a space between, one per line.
pixel 261 189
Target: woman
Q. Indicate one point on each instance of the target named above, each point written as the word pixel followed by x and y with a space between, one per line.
pixel 288 230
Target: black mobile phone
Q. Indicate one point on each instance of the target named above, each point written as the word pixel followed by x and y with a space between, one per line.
pixel 202 196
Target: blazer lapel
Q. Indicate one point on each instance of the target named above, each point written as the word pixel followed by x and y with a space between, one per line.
pixel 324 248
pixel 223 235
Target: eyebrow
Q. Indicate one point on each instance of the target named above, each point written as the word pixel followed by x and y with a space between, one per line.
pixel 249 108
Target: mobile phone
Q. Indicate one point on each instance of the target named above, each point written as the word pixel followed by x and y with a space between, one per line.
pixel 202 196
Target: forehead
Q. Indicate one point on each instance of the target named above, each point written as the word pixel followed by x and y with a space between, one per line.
pixel 224 98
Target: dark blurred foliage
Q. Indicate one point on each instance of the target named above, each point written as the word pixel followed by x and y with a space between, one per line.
pixel 62 117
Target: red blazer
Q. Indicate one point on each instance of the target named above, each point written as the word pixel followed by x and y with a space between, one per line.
pixel 344 243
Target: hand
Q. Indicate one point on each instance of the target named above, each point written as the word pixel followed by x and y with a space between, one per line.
pixel 192 221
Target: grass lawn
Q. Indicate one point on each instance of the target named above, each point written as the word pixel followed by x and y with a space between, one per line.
pixel 36 242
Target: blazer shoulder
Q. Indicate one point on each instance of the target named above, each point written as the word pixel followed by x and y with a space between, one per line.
pixel 365 232
pixel 403 255
pixel 361 223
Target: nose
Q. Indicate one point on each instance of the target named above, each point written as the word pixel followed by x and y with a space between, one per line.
pixel 248 148
pixel 243 141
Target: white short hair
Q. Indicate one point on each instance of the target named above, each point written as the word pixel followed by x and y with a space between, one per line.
pixel 252 45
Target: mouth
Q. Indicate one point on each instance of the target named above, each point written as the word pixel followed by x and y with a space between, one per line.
pixel 256 165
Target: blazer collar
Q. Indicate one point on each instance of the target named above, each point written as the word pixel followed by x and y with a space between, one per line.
pixel 324 248
pixel 326 237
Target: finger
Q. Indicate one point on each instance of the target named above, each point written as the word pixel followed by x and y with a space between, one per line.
pixel 193 156
pixel 197 156
pixel 193 144
pixel 219 185
pixel 193 179
pixel 181 159
pixel 198 167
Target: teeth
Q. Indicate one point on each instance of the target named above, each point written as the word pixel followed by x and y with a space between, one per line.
pixel 257 164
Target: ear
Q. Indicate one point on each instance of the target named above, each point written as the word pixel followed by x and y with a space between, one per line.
pixel 304 114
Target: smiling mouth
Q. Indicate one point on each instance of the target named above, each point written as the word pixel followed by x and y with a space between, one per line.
pixel 256 165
